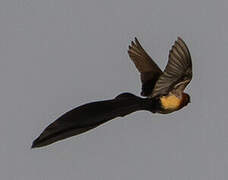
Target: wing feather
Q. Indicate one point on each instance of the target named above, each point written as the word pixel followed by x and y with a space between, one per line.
pixel 178 72
pixel 149 70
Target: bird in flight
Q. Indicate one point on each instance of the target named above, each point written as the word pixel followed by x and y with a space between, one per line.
pixel 163 92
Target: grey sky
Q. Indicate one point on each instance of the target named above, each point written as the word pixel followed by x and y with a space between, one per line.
pixel 56 55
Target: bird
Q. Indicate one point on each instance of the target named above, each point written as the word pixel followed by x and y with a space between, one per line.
pixel 162 91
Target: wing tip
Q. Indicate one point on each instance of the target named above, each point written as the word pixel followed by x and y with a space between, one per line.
pixel 135 42
pixel 179 38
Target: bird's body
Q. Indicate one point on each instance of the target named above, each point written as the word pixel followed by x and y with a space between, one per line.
pixel 164 92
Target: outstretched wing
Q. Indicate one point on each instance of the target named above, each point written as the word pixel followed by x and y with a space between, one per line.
pixel 149 70
pixel 178 72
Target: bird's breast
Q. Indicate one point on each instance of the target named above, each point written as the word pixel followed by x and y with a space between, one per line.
pixel 170 102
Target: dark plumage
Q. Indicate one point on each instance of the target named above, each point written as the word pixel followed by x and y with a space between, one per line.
pixel 163 91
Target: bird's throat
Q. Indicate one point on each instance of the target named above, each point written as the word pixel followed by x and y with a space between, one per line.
pixel 170 102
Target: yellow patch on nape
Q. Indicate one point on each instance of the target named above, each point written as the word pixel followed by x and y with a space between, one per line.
pixel 171 102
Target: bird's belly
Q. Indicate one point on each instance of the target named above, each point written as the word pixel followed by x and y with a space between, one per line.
pixel 170 102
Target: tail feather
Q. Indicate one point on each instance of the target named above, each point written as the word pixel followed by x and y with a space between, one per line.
pixel 89 116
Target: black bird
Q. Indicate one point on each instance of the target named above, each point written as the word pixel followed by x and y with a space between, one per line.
pixel 163 91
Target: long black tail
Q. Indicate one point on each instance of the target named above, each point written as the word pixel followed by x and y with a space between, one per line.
pixel 91 115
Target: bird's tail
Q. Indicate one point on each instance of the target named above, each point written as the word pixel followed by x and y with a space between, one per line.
pixel 91 115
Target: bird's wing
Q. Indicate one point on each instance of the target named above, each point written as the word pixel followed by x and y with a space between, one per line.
pixel 149 70
pixel 178 72
pixel 91 115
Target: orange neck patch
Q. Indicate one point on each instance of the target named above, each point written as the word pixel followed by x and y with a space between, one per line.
pixel 170 102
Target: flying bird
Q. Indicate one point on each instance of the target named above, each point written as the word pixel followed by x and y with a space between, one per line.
pixel 163 93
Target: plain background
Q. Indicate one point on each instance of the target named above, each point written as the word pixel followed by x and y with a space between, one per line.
pixel 56 55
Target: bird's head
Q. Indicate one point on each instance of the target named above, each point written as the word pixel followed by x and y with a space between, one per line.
pixel 186 99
